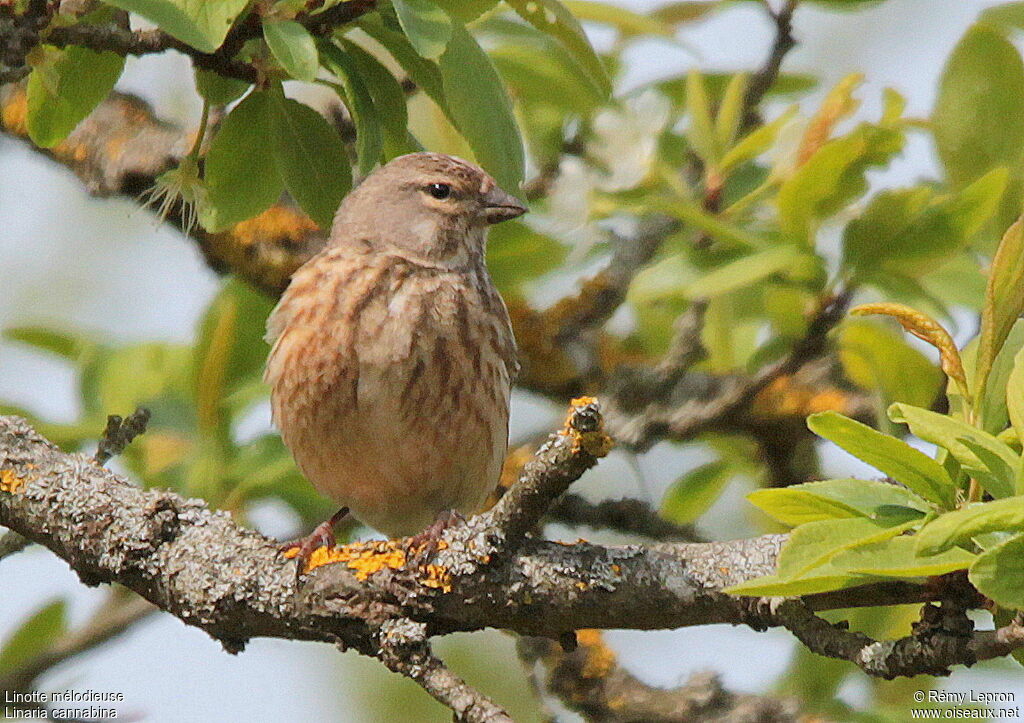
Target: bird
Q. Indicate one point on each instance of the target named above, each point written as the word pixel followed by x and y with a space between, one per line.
pixel 392 354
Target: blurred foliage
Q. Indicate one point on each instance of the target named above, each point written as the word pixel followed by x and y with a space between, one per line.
pixel 776 215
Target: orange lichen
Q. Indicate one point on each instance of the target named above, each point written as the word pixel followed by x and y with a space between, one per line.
pixel 14 113
pixel 600 659
pixel 787 397
pixel 437 577
pixel 367 558
pixel 278 223
pixel 10 482
pixel 594 442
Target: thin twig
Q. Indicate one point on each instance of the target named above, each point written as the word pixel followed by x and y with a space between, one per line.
pixel 119 433
pixel 12 543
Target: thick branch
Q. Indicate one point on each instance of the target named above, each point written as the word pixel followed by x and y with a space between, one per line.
pixel 231 582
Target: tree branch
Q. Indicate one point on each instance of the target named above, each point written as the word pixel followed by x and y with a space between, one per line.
pixel 232 583
pixel 590 681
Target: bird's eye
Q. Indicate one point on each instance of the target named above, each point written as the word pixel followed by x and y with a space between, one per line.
pixel 439 190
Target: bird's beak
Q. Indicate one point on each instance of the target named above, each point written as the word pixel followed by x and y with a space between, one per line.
pixel 501 206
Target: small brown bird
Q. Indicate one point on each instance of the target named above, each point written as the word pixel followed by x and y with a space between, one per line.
pixel 393 356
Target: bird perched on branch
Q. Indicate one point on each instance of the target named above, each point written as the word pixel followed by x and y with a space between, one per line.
pixel 393 356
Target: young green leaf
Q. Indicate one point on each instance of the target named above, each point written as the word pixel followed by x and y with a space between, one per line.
pixel 999 573
pixel 199 23
pixel 832 176
pixel 553 18
pixel 65 88
pixel 481 109
pixel 310 157
pixel 1015 395
pixel 978 119
pixel 67 345
pixel 217 89
pixel 427 26
pixel 43 628
pixel 824 578
pixel 797 507
pixel 423 72
pixel 899 558
pixel 889 455
pixel 517 254
pixel 293 47
pixel 359 101
pixel 748 270
pixel 730 110
pixel 879 359
pixel 388 100
pixel 1004 302
pixel 701 132
pixel 836 499
pixel 241 175
pixel 756 142
pixel 959 526
pixel 927 329
pixel 691 495
pixel 627 22
pixel 948 432
pixel 815 543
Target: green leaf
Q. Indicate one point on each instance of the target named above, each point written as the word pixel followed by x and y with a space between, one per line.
pixel 423 72
pixel 825 578
pixel 907 232
pixel 217 89
pixel 293 47
pixel 978 119
pixel 959 526
pixel 199 23
pixel 831 178
pixel 359 101
pixel 949 433
pixel 311 159
pixel 241 176
pixel 836 499
pixel 466 11
pixel 1015 395
pixel 1004 302
pixel 748 270
pixel 756 142
pixel 691 495
pixel 795 507
pixel 877 359
pixel 813 544
pixel 889 455
pixel 730 111
pixel 35 636
pixel 427 26
pixel 229 351
pixel 898 558
pixel 701 132
pixel 388 100
pixel 516 254
pixel 66 345
pixel 481 110
pixel 999 573
pixel 551 17
pixel 627 22
pixel 66 88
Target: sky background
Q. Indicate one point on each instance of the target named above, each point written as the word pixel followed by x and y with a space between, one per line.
pixel 103 265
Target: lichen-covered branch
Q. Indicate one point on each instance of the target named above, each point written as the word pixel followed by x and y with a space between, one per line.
pixel 231 582
pixel 590 681
pixel 20 32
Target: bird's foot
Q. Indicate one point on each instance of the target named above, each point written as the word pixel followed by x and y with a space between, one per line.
pixel 424 545
pixel 302 548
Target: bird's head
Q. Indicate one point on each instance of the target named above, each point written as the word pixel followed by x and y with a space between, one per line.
pixel 429 206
